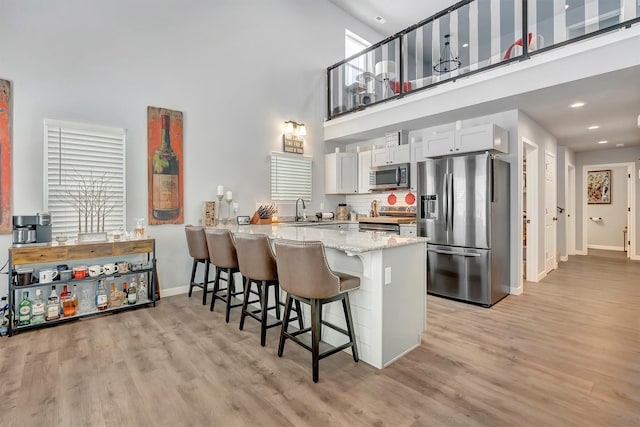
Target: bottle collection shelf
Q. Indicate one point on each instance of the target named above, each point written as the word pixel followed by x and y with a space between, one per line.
pixel 84 280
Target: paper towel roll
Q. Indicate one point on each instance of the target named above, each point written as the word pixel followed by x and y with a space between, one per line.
pixel 327 215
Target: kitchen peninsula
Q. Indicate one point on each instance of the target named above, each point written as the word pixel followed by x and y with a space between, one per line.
pixel 389 308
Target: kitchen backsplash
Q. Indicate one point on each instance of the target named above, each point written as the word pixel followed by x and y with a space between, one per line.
pixel 361 203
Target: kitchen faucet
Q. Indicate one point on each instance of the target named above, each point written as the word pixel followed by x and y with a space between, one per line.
pixel 303 207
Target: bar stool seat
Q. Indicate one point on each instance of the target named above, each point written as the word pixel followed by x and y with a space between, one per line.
pixel 222 253
pixel 305 275
pixel 198 250
pixel 258 267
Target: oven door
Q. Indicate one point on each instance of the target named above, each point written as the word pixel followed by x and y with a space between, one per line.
pixel 388 228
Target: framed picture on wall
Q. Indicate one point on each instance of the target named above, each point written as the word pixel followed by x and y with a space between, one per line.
pixel 599 187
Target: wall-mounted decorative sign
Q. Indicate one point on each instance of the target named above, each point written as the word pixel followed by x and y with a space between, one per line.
pixel 5 157
pixel 293 144
pixel 599 187
pixel 165 166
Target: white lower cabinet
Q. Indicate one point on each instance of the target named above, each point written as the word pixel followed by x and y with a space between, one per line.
pixel 410 230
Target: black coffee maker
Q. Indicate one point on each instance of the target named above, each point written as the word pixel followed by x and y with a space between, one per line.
pixel 32 228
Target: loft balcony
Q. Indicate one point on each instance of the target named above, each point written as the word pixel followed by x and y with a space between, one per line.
pixel 466 42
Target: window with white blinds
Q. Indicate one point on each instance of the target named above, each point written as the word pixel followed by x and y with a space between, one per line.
pixel 84 177
pixel 290 177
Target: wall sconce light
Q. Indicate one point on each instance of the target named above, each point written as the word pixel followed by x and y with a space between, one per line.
pixel 293 141
pixel 294 128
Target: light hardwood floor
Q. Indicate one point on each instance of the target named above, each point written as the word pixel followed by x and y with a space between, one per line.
pixel 566 352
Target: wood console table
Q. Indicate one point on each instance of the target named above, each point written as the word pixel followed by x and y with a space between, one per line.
pixel 47 255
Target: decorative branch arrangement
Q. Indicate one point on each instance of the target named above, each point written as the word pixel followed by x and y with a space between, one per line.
pixel 90 199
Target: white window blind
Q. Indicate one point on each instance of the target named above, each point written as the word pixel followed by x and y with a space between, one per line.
pixel 81 159
pixel 290 177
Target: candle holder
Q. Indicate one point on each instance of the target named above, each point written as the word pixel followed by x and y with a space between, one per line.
pixel 229 220
pixel 218 222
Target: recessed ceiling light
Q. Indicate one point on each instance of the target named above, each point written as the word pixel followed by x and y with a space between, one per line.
pixel 566 6
pixel 619 145
pixel 593 127
pixel 380 19
pixel 577 104
pixel 602 142
pixel 465 45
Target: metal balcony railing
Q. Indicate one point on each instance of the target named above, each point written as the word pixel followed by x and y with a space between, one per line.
pixel 470 37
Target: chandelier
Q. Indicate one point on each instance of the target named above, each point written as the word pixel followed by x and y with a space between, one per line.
pixel 448 62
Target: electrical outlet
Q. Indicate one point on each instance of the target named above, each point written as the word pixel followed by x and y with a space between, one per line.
pixel 235 206
pixel 387 276
pixel 321 206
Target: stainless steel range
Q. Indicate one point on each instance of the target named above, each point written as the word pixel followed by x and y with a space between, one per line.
pixel 389 219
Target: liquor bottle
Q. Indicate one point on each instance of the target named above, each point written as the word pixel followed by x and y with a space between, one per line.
pixel 67 302
pixel 143 293
pixel 124 293
pixel 102 301
pixel 24 316
pixel 53 306
pixel 74 297
pixel 38 308
pixel 165 183
pixel 64 295
pixel 132 295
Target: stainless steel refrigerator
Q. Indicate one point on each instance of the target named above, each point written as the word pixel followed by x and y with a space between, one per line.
pixel 464 210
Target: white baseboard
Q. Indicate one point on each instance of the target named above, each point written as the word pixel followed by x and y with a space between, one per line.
pixel 581 252
pixel 564 258
pixel 176 291
pixel 606 248
pixel 516 290
pixel 541 276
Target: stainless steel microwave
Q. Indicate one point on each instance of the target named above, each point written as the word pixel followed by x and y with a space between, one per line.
pixel 390 177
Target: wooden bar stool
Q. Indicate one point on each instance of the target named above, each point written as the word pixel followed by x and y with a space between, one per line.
pixel 258 266
pixel 198 250
pixel 222 253
pixel 305 275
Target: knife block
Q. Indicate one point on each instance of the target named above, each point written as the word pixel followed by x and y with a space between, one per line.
pixel 255 219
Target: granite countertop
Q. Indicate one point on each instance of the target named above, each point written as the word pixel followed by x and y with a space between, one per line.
pixel 348 241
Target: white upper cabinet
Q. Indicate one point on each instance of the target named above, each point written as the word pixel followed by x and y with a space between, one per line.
pixel 417 155
pixel 439 144
pixel 341 173
pixel 364 172
pixel 391 155
pixel 478 138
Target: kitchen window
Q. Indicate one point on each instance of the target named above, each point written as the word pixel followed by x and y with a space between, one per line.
pixel 290 177
pixel 84 177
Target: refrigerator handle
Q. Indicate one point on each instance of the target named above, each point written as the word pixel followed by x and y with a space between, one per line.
pixel 445 201
pixel 398 176
pixel 451 201
pixel 492 183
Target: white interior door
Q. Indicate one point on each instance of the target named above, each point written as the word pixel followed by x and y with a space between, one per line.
pixel 530 209
pixel 571 210
pixel 550 216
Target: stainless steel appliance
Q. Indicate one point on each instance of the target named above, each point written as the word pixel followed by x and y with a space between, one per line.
pixel 32 228
pixel 389 219
pixel 390 177
pixel 464 210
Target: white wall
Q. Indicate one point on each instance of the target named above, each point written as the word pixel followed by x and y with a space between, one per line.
pixel 607 233
pixel 237 70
